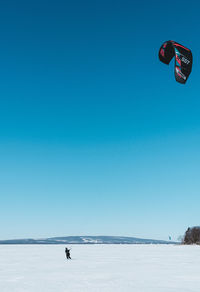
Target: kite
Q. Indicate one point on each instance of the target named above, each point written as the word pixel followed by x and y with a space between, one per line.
pixel 183 59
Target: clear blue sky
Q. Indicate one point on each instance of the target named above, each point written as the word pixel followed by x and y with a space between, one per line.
pixel 96 136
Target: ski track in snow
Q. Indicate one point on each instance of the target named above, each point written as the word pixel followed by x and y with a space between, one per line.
pixel 100 268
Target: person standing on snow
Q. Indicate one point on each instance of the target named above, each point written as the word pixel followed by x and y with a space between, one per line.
pixel 67 252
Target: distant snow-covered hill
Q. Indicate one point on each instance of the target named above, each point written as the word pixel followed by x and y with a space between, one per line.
pixel 86 240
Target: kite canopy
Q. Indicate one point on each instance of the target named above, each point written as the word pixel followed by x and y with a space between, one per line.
pixel 183 59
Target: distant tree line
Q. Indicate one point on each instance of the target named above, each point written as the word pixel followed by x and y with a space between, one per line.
pixel 192 235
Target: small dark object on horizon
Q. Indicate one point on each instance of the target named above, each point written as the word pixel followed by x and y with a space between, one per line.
pixel 192 235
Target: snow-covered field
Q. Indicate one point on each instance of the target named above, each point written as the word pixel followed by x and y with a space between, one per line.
pixel 102 268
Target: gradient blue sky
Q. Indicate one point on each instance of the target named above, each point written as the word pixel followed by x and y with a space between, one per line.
pixel 96 137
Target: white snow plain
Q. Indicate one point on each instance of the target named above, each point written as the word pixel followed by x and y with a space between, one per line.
pixel 100 268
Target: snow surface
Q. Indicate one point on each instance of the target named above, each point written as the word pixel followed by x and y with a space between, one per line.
pixel 100 268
